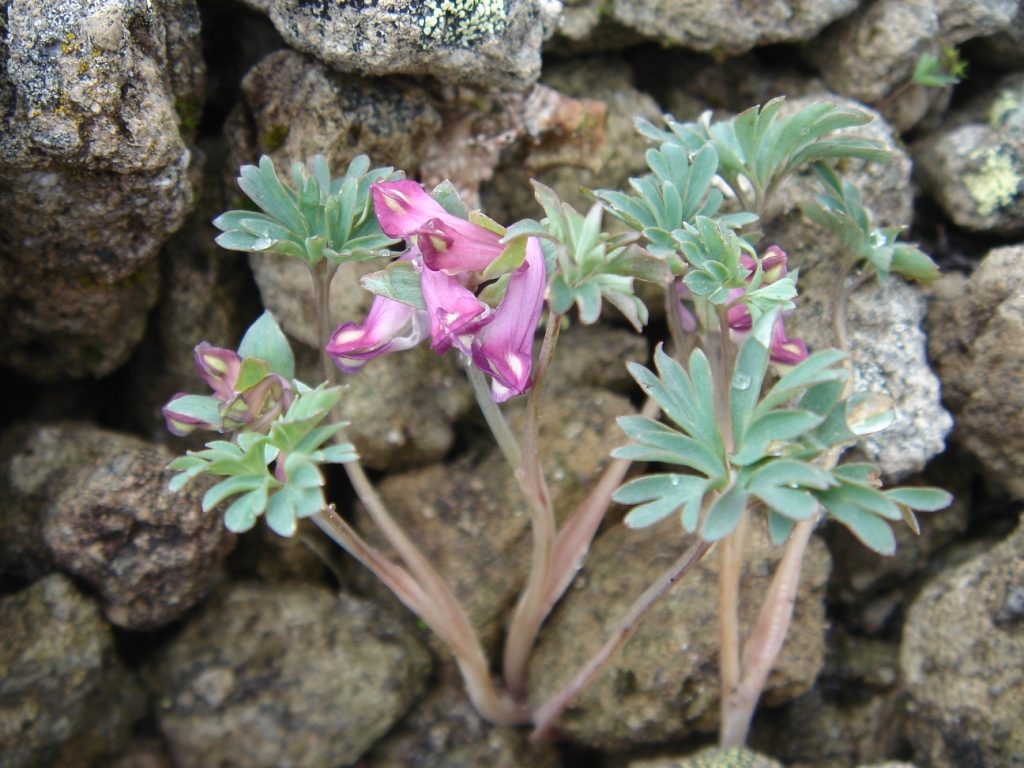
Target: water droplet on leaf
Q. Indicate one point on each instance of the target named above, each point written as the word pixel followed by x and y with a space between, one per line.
pixel 740 380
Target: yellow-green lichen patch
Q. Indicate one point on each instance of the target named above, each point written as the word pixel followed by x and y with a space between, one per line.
pixel 1007 101
pixel 996 184
pixel 462 22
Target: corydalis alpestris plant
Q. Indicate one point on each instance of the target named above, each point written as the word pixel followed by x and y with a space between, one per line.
pixel 474 288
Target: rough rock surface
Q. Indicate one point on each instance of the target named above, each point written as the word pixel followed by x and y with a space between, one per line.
pixel 1004 49
pixel 444 731
pixel 975 169
pixel 961 20
pixel 293 675
pixel 206 295
pixel 852 716
pixel 720 27
pixel 960 659
pixel 94 174
pixel 884 319
pixel 873 51
pixel 889 352
pixel 105 515
pixel 469 518
pixel 402 408
pixel 664 684
pixel 977 338
pixel 65 700
pixel 595 356
pixel 294 107
pixel 712 757
pixel 621 156
pixel 491 43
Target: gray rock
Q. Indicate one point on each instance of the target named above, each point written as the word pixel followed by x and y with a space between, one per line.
pixel 960 659
pixel 889 353
pixel 286 288
pixel 975 170
pixel 491 43
pixel 206 294
pixel 886 341
pixel 150 553
pixel 104 514
pixel 712 757
pixel 595 356
pixel 721 27
pixel 402 408
pixel 977 335
pixel 854 715
pixel 621 156
pixel 871 51
pixel 142 752
pixel 470 520
pixel 94 174
pixel 444 731
pixel 65 700
pixel 294 107
pixel 816 731
pixel 1003 49
pixel 267 676
pixel 664 684
pixel 870 56
pixel 961 20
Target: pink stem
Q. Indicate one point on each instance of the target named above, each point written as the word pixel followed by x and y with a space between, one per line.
pixel 554 707
pixel 765 642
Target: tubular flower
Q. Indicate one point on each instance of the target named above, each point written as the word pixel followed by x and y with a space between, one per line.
pixel 784 351
pixel 456 314
pixel 448 253
pixel 260 402
pixel 448 243
pixel 504 349
pixel 390 326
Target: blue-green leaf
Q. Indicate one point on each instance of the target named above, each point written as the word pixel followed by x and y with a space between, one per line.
pixel 724 514
pixel 779 527
pixel 230 487
pixel 664 493
pixel 265 341
pixel 242 514
pixel 922 499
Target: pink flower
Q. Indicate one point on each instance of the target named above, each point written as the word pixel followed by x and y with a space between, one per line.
pixel 447 243
pixel 448 252
pixel 456 314
pixel 390 326
pixel 229 408
pixel 504 348
pixel 784 351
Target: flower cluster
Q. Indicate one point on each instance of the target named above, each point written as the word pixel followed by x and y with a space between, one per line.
pixel 246 393
pixel 449 253
pixel 784 351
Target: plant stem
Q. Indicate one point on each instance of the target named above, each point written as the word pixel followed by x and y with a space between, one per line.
pixel 435 599
pixel 730 569
pixel 765 642
pixel 487 700
pixel 682 341
pixel 552 708
pixel 322 274
pixel 493 416
pixel 529 613
pixel 578 533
